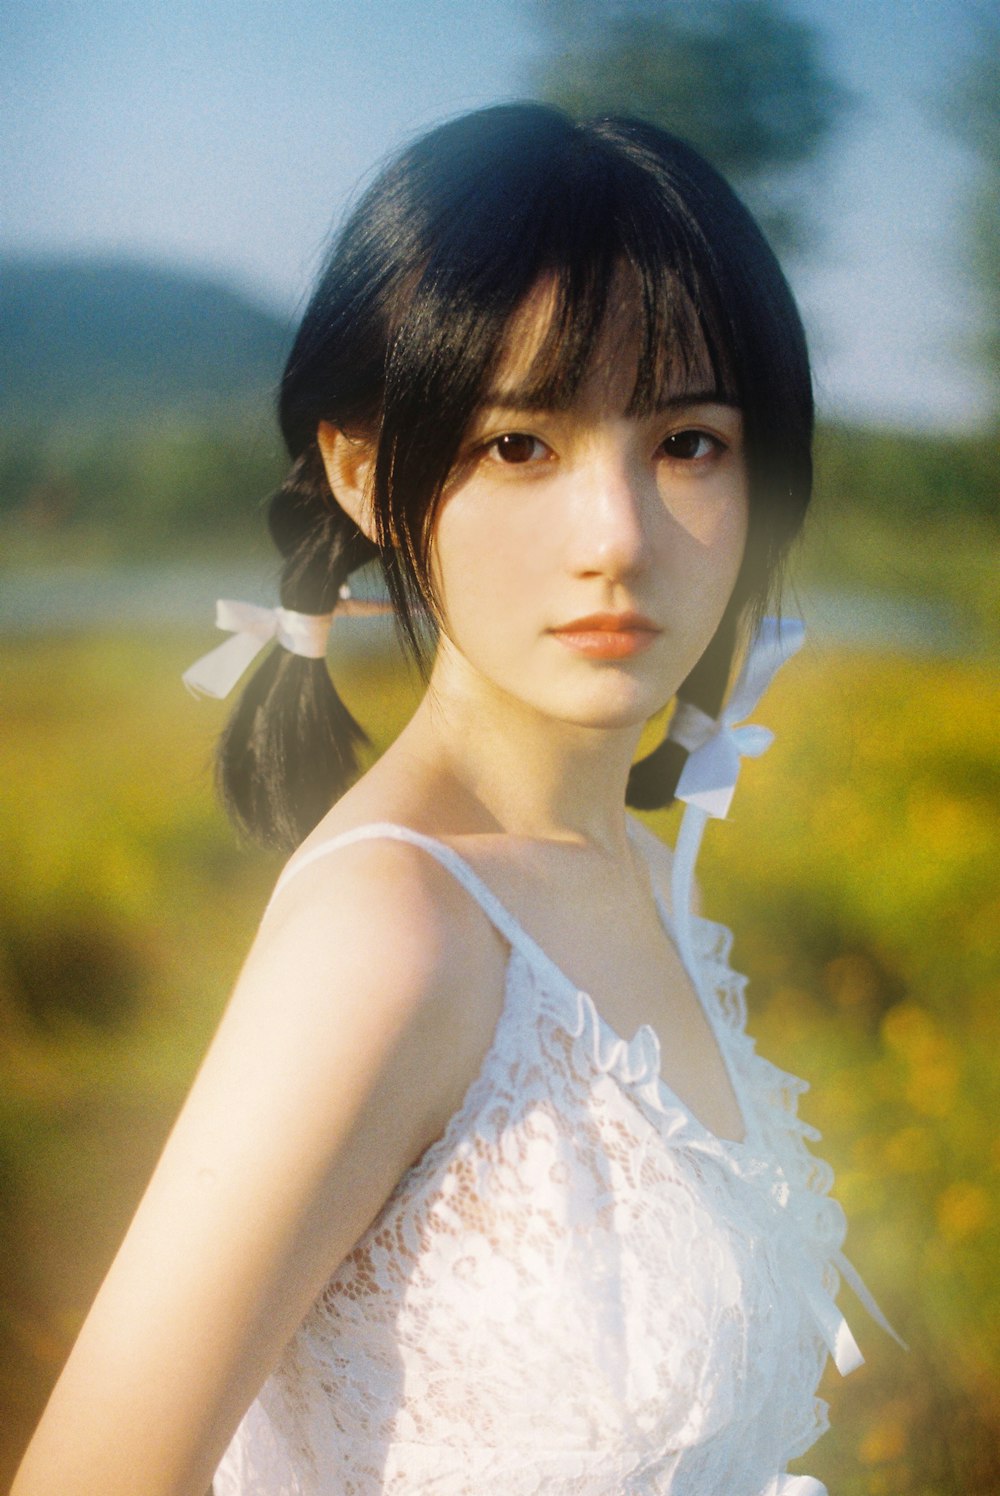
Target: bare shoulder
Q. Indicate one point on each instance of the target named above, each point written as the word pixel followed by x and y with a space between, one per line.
pixel 382 904
pixel 376 944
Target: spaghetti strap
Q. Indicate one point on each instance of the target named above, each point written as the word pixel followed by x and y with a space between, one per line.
pixel 499 916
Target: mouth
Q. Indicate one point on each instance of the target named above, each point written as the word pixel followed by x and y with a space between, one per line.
pixel 608 636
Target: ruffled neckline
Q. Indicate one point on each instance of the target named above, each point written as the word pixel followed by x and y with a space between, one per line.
pixel 636 1063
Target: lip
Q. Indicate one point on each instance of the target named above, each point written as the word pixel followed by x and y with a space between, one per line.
pixel 608 636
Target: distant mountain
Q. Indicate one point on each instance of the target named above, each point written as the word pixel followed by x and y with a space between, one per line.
pixel 105 339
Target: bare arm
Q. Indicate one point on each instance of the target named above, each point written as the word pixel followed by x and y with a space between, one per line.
pixel 349 1041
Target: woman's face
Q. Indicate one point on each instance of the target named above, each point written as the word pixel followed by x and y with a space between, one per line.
pixel 583 557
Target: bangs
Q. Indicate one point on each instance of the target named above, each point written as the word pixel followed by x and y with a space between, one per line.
pixel 614 243
pixel 609 240
pixel 642 313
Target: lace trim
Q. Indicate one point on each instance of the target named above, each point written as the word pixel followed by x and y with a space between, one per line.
pixel 773 1151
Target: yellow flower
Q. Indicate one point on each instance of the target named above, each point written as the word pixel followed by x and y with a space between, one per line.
pixel 962 1210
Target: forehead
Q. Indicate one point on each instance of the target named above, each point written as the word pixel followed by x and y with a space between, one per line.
pixel 547 358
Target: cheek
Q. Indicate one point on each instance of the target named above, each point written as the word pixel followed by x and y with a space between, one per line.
pixel 480 560
pixel 709 539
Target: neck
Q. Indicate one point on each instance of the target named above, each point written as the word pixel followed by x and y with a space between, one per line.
pixel 518 770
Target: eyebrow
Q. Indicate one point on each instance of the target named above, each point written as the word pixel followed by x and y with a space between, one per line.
pixel 525 400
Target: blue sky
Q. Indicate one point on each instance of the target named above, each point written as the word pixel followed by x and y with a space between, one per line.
pixel 228 137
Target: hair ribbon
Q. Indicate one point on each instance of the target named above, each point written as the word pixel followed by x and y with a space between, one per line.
pixel 253 626
pixel 716 746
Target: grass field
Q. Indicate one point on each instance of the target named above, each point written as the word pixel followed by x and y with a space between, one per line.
pixel 857 869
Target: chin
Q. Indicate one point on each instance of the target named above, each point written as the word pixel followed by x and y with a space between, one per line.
pixel 612 712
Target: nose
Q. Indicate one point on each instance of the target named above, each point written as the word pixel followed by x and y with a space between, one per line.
pixel 611 518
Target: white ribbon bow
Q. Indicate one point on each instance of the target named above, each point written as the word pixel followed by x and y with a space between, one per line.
pixel 715 747
pixel 252 627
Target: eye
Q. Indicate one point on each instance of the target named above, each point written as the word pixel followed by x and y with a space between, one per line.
pixel 690 446
pixel 515 448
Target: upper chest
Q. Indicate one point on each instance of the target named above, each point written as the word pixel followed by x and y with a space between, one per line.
pixel 606 934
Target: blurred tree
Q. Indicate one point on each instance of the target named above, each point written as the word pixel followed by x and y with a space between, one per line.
pixel 974 114
pixel 742 80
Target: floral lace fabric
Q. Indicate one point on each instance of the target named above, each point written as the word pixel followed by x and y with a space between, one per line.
pixel 577 1290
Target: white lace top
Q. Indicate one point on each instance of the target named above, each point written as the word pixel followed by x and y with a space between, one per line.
pixel 577 1288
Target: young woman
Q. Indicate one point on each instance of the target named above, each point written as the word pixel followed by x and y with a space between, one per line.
pixel 481 1187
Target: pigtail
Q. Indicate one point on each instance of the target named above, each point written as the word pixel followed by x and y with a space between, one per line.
pixel 652 781
pixel 290 747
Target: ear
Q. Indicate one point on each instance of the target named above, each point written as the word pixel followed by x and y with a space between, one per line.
pixel 348 461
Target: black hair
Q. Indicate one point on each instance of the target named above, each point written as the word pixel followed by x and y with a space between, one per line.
pixel 400 340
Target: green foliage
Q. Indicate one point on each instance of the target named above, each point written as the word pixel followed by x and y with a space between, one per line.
pixel 742 80
pixel 910 516
pixel 910 475
pixel 151 486
pixel 974 115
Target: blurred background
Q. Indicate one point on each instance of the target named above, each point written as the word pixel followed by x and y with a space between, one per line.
pixel 170 177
